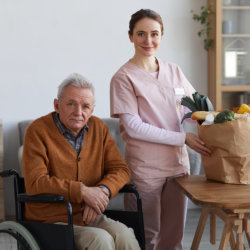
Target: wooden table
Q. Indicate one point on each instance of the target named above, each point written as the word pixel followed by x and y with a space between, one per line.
pixel 228 201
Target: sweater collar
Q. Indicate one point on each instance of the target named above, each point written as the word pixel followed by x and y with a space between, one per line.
pixel 63 130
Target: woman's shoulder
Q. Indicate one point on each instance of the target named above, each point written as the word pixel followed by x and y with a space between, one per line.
pixel 126 69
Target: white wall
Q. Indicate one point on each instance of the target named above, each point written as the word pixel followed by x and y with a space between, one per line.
pixel 44 41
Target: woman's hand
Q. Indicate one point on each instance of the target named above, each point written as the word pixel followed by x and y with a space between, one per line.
pixel 197 144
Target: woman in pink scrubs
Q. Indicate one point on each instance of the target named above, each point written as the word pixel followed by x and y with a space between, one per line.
pixel 145 94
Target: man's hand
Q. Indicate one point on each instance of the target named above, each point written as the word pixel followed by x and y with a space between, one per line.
pixel 95 197
pixel 197 144
pixel 89 215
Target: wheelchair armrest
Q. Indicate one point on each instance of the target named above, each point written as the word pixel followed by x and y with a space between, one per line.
pixel 40 198
pixel 129 188
pixel 7 173
pixel 46 198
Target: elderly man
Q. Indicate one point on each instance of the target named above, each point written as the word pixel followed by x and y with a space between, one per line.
pixel 69 152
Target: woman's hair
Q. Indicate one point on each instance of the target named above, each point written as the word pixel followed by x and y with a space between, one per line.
pixel 144 13
pixel 76 80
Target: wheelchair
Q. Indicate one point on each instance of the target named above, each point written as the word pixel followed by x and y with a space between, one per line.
pixel 36 235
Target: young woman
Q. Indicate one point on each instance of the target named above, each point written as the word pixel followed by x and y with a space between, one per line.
pixel 145 94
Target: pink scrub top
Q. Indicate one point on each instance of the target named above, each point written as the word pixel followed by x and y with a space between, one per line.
pixel 157 101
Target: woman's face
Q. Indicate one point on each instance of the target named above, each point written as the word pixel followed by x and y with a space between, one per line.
pixel 146 37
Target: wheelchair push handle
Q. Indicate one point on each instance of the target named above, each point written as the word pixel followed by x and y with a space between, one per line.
pixel 8 173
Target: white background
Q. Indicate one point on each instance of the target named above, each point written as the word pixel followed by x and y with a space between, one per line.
pixel 42 42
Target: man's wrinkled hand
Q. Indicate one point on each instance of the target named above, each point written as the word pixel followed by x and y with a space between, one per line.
pixel 89 215
pixel 96 198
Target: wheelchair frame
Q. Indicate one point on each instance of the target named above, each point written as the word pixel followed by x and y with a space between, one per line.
pixel 44 234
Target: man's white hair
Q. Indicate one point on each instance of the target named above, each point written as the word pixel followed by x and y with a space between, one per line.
pixel 76 80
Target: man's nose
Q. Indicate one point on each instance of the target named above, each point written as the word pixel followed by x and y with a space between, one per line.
pixel 78 109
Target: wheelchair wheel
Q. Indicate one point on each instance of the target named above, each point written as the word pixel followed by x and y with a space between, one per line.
pixel 15 236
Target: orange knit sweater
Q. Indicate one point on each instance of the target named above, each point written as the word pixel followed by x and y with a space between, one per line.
pixel 52 166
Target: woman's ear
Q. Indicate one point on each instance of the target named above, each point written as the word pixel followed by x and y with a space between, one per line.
pixel 130 37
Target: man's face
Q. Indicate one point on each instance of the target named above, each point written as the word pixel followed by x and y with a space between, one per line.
pixel 75 108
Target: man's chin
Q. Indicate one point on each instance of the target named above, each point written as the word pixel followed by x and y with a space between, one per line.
pixel 78 126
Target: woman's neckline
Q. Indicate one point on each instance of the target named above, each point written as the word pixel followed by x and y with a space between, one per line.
pixel 145 66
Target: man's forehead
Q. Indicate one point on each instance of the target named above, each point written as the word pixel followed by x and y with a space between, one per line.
pixel 79 100
pixel 78 93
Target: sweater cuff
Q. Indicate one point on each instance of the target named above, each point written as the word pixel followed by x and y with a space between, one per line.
pixel 75 194
pixel 106 189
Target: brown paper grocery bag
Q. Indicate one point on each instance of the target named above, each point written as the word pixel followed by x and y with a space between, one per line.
pixel 230 145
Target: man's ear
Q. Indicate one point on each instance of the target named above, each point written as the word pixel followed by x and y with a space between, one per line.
pixel 93 108
pixel 56 105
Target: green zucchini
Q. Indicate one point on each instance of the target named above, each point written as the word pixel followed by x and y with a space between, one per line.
pixel 198 103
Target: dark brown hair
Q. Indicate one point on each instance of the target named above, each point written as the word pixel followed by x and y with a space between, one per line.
pixel 144 13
